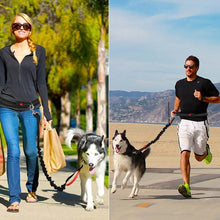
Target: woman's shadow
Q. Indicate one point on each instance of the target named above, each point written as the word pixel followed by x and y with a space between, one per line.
pixel 4 191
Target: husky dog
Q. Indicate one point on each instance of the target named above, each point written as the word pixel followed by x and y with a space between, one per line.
pixel 92 155
pixel 127 158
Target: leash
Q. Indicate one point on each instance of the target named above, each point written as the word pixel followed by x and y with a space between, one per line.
pixel 158 136
pixel 168 125
pixel 74 175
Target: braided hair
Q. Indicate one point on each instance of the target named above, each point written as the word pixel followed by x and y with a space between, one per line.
pixel 31 44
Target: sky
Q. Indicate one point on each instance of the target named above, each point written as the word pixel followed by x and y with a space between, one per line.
pixel 150 40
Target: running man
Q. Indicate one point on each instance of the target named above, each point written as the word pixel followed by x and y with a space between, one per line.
pixel 193 94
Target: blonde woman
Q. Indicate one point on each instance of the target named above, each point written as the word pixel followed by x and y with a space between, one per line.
pixel 22 77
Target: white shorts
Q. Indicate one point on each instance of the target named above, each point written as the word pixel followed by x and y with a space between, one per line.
pixel 193 135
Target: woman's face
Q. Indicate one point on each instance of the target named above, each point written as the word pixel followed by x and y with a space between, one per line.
pixel 21 29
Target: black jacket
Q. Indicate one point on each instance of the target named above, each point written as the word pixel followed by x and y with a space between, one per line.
pixel 20 82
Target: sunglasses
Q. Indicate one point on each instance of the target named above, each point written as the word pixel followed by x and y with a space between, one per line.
pixel 17 26
pixel 190 66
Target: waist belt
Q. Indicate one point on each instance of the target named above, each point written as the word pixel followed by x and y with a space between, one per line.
pixel 191 114
pixel 18 105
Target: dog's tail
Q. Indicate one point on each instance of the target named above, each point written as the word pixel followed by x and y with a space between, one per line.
pixel 73 134
pixel 146 152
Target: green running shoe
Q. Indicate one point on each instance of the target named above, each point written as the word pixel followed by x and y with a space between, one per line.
pixel 184 189
pixel 208 158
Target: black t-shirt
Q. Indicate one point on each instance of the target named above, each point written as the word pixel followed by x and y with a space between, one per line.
pixel 188 103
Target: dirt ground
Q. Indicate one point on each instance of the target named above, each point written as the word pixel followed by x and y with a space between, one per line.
pixel 165 152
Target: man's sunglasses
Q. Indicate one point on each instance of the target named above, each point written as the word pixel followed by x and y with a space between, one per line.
pixel 17 26
pixel 190 66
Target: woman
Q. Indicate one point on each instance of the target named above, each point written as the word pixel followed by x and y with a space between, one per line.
pixel 22 77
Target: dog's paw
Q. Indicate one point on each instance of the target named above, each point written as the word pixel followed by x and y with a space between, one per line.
pixel 124 183
pixel 89 207
pixel 113 190
pixel 84 199
pixel 99 200
pixel 131 196
pixel 123 186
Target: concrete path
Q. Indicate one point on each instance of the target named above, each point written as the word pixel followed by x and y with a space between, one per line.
pixel 52 205
pixel 159 199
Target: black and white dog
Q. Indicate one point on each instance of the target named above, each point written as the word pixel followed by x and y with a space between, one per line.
pixel 126 158
pixel 92 155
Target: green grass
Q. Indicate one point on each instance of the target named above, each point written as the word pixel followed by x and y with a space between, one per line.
pixel 73 151
pixel 2 137
pixel 68 151
pixel 106 175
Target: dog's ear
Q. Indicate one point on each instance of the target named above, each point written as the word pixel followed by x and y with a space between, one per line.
pixel 103 141
pixel 124 132
pixel 86 136
pixel 103 138
pixel 116 132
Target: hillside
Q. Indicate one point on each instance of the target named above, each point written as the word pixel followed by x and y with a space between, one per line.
pixel 149 107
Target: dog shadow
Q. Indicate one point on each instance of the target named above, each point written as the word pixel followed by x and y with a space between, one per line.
pixel 67 199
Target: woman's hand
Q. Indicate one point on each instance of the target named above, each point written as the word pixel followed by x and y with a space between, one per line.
pixel 47 124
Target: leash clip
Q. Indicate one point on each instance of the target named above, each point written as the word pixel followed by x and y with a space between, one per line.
pixel 31 107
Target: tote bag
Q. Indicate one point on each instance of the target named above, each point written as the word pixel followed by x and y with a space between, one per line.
pixel 53 156
pixel 2 161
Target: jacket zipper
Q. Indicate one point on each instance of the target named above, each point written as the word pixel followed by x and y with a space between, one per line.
pixel 19 73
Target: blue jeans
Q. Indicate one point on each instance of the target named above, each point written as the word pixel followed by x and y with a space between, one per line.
pixel 10 124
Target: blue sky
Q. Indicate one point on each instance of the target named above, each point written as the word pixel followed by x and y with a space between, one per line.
pixel 150 40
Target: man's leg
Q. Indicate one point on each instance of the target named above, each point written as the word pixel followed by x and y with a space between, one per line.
pixel 185 135
pixel 200 158
pixel 201 148
pixel 185 166
pixel 207 156
pixel 184 188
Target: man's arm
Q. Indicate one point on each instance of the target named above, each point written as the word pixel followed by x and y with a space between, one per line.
pixel 211 99
pixel 176 106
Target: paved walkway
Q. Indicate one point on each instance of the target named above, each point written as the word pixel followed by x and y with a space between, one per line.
pixel 52 205
pixel 159 199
